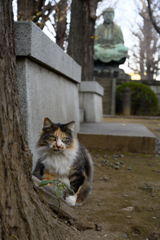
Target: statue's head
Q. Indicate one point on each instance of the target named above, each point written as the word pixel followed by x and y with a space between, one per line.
pixel 108 15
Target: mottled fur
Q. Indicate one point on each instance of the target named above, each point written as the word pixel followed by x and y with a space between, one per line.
pixel 63 157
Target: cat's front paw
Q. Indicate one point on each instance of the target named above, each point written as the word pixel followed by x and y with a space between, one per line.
pixel 71 200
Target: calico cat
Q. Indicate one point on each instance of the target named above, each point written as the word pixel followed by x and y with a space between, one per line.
pixel 62 157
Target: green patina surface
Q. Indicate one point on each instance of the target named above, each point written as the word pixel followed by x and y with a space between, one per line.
pixel 109 42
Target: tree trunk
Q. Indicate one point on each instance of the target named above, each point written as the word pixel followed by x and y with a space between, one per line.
pixel 23 214
pixel 153 21
pixel 26 9
pixel 81 37
pixel 61 21
pixel 39 12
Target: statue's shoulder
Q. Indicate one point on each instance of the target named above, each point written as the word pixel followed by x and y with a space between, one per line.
pixel 117 28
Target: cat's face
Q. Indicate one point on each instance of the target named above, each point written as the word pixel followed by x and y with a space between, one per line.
pixel 56 137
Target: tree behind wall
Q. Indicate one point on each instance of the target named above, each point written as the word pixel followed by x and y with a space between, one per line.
pixel 23 214
pixel 146 54
pixel 40 11
pixel 151 9
pixel 81 36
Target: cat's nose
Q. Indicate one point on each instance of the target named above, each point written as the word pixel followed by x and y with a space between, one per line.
pixel 58 146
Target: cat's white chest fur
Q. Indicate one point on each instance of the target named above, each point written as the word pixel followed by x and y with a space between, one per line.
pixel 60 163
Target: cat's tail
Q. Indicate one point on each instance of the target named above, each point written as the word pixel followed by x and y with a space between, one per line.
pixel 86 187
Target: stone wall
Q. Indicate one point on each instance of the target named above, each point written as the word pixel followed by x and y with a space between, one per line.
pixel 48 82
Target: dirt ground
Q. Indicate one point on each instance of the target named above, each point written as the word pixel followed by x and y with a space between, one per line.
pixel 125 200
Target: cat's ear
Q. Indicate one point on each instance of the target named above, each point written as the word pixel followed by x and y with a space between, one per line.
pixel 70 125
pixel 47 123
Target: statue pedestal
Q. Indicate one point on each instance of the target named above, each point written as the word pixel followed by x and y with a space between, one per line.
pixel 110 78
pixel 90 100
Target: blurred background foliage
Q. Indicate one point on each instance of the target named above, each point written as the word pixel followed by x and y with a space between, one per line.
pixel 144 101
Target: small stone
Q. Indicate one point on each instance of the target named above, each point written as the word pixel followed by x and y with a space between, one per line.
pixel 153 170
pixel 129 217
pixel 106 178
pixel 98 227
pixel 153 195
pixel 129 168
pixel 121 162
pixel 149 164
pixel 135 234
pixel 101 178
pixel 89 225
pixel 121 156
pixel 154 217
pixel 99 204
pixel 117 167
pixel 115 156
pixel 117 163
pixel 125 195
pixel 148 188
pixel 128 209
pixel 105 156
pixel 124 235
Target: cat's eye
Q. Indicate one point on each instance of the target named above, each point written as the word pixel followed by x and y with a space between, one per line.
pixel 64 139
pixel 52 138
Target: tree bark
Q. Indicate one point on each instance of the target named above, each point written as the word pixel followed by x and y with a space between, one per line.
pixel 81 36
pixel 39 12
pixel 61 21
pixel 26 9
pixel 23 214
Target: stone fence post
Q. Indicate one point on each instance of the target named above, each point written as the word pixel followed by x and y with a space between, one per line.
pixel 126 101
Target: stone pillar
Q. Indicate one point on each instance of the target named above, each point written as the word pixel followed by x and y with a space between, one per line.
pixel 126 101
pixel 113 96
pixel 90 100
